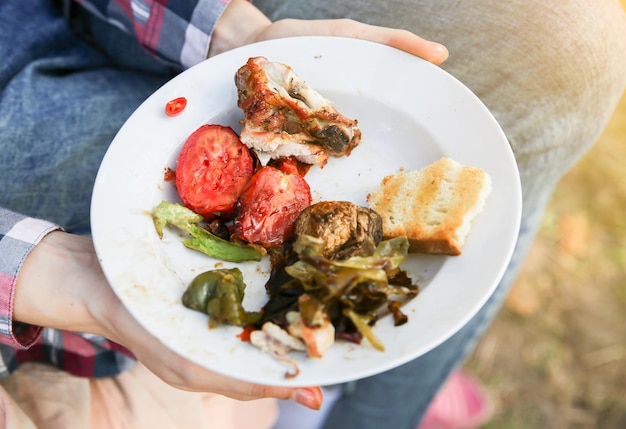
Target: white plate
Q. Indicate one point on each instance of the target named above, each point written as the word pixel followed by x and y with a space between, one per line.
pixel 410 112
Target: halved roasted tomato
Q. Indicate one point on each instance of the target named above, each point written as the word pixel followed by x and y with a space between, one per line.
pixel 269 206
pixel 213 169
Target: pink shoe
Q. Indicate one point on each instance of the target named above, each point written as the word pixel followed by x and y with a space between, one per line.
pixel 460 404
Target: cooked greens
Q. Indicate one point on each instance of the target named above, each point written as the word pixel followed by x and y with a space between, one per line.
pixel 351 291
pixel 202 240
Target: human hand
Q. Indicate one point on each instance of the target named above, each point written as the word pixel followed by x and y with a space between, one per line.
pixel 61 285
pixel 242 24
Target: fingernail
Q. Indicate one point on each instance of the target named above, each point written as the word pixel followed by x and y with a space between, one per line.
pixel 440 53
pixel 310 397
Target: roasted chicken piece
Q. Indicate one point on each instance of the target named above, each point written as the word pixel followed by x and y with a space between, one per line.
pixel 283 116
pixel 347 229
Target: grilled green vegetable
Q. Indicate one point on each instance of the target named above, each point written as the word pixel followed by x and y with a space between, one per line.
pixel 202 240
pixel 219 293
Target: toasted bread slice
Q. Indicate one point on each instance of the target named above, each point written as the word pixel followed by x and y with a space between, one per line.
pixel 433 207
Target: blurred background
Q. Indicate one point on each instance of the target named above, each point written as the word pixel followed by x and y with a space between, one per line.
pixel 555 357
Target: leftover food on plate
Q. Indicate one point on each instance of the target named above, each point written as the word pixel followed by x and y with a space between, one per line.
pixel 336 267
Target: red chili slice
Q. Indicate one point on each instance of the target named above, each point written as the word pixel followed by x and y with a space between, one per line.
pixel 269 206
pixel 175 106
pixel 213 169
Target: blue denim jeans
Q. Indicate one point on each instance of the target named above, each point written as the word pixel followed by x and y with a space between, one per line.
pixel 62 102
pixel 551 77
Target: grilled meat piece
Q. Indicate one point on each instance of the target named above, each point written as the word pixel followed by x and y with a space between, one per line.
pixel 286 117
pixel 347 229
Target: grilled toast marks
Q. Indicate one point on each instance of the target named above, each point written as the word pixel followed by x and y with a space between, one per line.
pixel 433 207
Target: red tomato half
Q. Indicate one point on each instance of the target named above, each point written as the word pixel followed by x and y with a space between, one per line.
pixel 269 206
pixel 213 169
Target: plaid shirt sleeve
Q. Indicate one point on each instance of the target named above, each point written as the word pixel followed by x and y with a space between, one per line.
pixel 177 32
pixel 84 355
pixel 18 235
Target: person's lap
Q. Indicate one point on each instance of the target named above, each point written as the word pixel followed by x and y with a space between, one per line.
pixel 39 395
pixel 551 73
pixel 551 78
